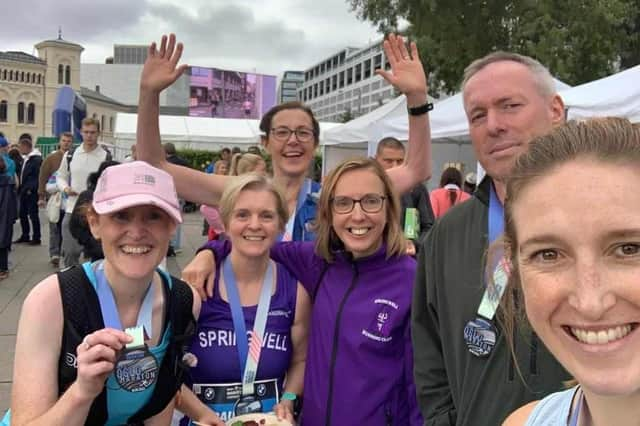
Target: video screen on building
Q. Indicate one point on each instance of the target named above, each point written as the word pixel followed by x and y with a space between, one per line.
pixel 230 94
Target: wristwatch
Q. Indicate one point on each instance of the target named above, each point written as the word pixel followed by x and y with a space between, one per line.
pixel 422 109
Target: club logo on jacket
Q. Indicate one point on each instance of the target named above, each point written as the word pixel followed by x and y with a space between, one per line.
pixel 380 327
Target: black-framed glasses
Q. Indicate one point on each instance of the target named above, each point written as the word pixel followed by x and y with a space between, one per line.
pixel 370 203
pixel 284 133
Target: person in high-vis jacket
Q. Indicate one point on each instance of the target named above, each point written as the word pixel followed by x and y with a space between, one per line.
pixel 463 371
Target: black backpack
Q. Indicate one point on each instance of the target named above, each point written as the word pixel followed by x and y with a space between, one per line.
pixel 82 316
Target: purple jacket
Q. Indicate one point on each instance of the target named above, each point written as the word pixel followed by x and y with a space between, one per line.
pixel 359 364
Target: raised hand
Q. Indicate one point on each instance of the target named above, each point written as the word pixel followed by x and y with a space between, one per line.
pixel 407 73
pixel 161 68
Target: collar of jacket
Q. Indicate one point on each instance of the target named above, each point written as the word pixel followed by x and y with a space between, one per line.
pixel 376 258
pixel 483 190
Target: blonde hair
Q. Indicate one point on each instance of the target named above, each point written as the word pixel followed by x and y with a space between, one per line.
pixel 327 239
pixel 605 140
pixel 244 163
pixel 251 182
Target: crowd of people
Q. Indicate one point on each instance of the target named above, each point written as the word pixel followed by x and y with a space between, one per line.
pixel 359 300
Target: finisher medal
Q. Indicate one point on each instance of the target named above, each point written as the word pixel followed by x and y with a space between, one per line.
pixel 137 368
pixel 480 336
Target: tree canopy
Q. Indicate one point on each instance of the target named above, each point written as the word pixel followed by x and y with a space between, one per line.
pixel 578 40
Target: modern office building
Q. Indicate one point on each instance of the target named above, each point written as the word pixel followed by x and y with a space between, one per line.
pixel 345 84
pixel 289 85
pixel 129 53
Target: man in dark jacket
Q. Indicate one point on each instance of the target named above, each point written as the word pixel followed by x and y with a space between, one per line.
pixel 28 191
pixel 390 153
pixel 464 372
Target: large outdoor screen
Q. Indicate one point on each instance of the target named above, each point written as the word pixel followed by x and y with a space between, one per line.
pixel 230 94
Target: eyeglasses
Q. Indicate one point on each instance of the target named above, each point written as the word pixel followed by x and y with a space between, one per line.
pixel 284 133
pixel 370 203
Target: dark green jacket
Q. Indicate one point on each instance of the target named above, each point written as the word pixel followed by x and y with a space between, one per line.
pixel 455 387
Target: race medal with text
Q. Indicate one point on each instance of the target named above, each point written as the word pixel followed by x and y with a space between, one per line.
pixel 480 337
pixel 137 368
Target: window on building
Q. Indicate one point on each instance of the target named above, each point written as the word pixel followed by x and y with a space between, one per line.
pixel 349 76
pixel 20 112
pixel 60 74
pixel 111 124
pixel 22 77
pixel 4 111
pixel 322 68
pixel 334 82
pixel 31 113
pixel 327 84
pixel 367 69
pixel 377 62
pixel 102 120
pixel 39 78
pixel 4 74
pixel 28 78
pixel 358 75
pixel 321 88
pixel 315 90
pixel 67 75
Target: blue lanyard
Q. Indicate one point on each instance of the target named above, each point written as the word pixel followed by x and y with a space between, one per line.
pixel 108 307
pixel 496 216
pixel 302 196
pixel 248 365
pixel 498 271
pixel 573 421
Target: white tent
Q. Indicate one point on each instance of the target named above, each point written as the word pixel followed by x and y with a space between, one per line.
pixel 616 95
pixel 449 132
pixel 196 132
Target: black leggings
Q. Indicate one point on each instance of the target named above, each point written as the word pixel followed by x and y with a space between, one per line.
pixel 4 259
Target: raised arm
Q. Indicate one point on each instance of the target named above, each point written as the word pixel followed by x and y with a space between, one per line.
pixel 160 70
pixel 407 75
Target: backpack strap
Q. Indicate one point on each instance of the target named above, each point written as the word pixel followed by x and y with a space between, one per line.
pixel 82 316
pixel 171 373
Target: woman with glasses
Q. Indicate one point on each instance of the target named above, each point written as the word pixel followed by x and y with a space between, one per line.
pixel 359 367
pixel 290 134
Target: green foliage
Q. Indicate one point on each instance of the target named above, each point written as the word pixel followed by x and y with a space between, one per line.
pixel 347 115
pixel 198 159
pixel 579 40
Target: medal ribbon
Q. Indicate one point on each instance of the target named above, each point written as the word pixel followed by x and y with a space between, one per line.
pixel 108 302
pixel 302 196
pixel 494 289
pixel 248 350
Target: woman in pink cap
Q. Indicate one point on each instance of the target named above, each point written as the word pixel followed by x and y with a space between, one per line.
pixel 102 343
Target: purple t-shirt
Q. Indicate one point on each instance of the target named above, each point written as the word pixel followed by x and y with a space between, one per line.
pixel 214 343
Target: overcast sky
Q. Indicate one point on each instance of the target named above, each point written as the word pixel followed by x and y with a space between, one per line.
pixel 268 36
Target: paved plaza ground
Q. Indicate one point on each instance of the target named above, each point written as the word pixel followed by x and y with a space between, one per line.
pixel 30 264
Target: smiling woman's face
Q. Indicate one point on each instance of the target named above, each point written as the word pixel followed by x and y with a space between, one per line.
pixel 290 157
pixel 578 255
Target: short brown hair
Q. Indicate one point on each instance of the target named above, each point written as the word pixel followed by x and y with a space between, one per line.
pixel 327 239
pixel 389 142
pixel 66 135
pixel 542 76
pixel 605 140
pixel 253 183
pixel 267 120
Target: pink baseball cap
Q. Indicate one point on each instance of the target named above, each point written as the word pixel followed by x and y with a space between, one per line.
pixel 136 184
